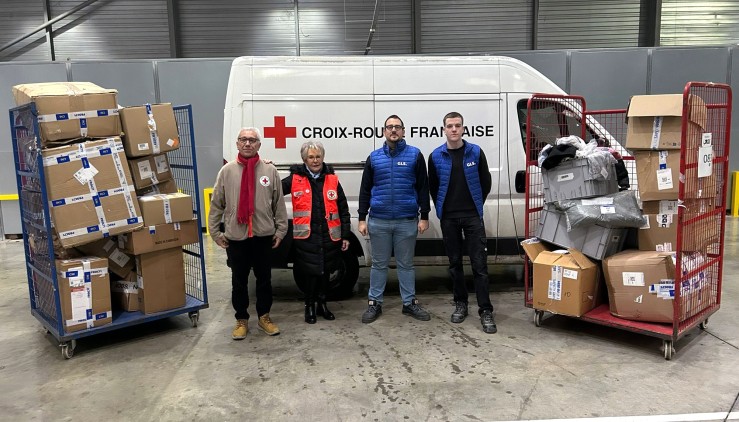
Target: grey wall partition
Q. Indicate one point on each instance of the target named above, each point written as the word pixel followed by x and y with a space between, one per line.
pixel 134 79
pixel 14 74
pixel 202 84
pixel 672 68
pixel 553 64
pixel 608 79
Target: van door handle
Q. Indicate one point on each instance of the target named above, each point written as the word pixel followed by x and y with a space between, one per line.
pixel 521 181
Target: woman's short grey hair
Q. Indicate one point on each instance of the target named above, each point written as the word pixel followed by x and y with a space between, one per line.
pixel 311 145
pixel 253 129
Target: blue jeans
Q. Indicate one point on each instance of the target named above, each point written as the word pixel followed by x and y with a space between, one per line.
pixel 385 236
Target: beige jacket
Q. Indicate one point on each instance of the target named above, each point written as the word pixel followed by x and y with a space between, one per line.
pixel 270 214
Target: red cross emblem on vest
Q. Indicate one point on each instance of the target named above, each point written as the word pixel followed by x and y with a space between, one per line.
pixel 331 195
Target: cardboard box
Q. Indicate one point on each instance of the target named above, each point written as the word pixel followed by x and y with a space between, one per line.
pixel 661 233
pixel 166 208
pixel 149 129
pixel 90 191
pixel 124 293
pixel 565 282
pixel 70 110
pixel 84 293
pixel 159 237
pixel 119 262
pixel 161 280
pixel 149 170
pixel 641 285
pixel 691 207
pixel 658 173
pixel 167 186
pixel 655 122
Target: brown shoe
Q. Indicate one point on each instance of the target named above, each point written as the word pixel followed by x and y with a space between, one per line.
pixel 239 332
pixel 266 325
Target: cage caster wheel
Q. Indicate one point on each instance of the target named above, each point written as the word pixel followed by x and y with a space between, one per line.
pixel 704 324
pixel 538 315
pixel 68 349
pixel 194 317
pixel 668 349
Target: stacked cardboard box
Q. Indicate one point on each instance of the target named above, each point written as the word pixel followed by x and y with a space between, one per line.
pixel 641 283
pixel 71 110
pixel 565 282
pixel 149 132
pixel 84 293
pixel 92 176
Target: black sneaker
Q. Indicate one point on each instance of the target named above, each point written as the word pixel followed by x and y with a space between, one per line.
pixel 374 310
pixel 488 322
pixel 416 311
pixel 460 312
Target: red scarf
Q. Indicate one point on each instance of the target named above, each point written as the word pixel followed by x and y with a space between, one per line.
pixel 245 209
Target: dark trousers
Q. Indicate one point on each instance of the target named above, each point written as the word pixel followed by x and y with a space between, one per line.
pixel 469 232
pixel 316 288
pixel 243 256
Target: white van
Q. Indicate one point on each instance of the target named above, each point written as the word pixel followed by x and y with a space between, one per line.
pixel 343 103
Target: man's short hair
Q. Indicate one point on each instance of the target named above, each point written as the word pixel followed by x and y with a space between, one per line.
pixel 452 115
pixel 394 116
pixel 253 129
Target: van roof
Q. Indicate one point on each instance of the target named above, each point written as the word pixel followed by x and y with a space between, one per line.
pixel 482 74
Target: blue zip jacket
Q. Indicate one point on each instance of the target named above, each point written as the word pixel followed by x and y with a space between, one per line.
pixel 394 184
pixel 443 165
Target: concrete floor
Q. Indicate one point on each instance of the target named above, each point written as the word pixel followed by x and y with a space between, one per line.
pixel 394 369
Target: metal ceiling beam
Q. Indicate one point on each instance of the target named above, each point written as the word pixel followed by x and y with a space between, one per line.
pixel 173 18
pixel 368 48
pixel 49 29
pixel 48 24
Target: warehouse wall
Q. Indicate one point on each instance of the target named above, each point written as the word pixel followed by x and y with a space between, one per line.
pixel 607 78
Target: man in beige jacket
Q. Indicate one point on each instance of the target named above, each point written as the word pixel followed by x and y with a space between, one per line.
pixel 247 199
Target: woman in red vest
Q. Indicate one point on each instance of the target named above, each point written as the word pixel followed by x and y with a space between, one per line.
pixel 321 225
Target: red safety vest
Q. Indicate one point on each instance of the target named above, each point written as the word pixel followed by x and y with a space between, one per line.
pixel 302 197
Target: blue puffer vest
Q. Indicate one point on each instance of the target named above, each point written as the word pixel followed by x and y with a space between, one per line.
pixel 443 163
pixel 394 185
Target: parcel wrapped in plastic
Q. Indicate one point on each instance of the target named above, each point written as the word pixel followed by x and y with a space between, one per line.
pixel 617 210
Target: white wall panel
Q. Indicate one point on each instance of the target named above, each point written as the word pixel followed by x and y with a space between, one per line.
pixel 699 22
pixel 475 26
pixel 120 29
pixel 228 28
pixel 337 27
pixel 588 24
pixel 17 18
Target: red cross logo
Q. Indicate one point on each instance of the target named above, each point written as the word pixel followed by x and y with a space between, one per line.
pixel 264 181
pixel 280 132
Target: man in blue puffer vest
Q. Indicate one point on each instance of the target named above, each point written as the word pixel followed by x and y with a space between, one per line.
pixel 459 181
pixel 394 191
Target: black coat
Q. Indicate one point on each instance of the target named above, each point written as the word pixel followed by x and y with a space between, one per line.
pixel 318 254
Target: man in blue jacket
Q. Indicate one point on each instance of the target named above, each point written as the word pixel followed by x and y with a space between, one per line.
pixel 394 191
pixel 459 181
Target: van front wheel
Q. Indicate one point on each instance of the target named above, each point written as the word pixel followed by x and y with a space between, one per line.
pixel 341 282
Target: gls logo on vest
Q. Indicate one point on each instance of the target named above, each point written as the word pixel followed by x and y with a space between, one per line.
pixel 402 163
pixel 471 163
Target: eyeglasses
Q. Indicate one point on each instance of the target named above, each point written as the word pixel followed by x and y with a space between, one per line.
pixel 396 127
pixel 249 140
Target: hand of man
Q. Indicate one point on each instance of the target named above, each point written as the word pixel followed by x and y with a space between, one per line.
pixel 344 245
pixel 276 242
pixel 266 161
pixel 423 225
pixel 222 241
pixel 362 227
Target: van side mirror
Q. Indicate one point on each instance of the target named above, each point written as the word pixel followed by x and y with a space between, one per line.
pixel 521 181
